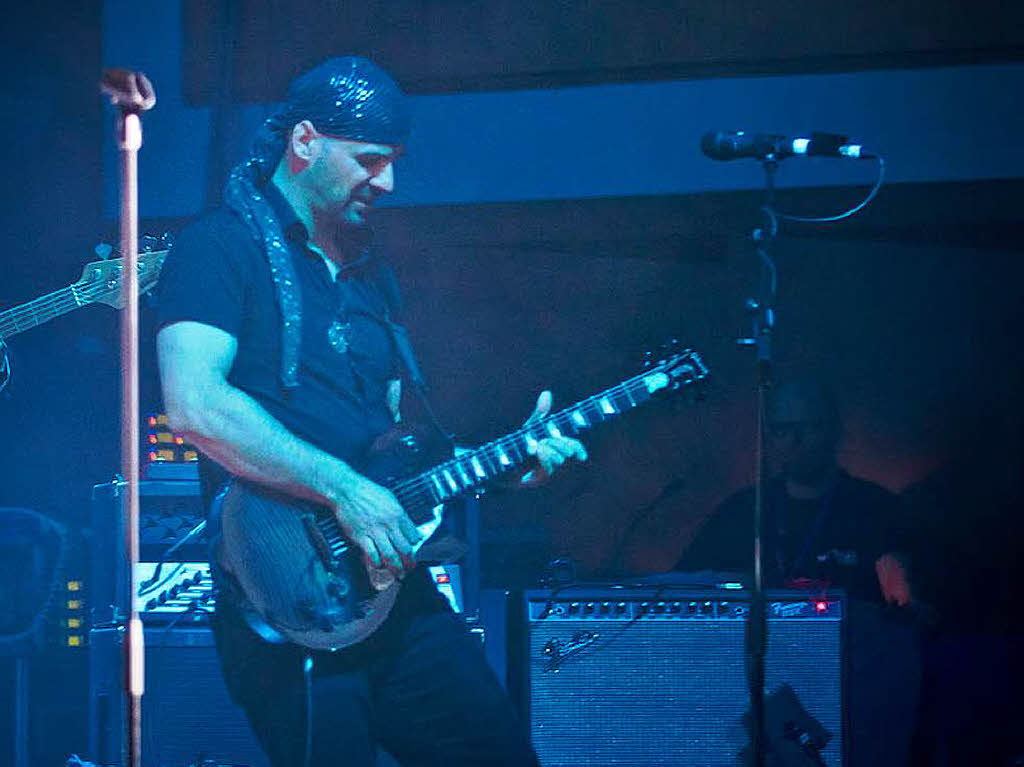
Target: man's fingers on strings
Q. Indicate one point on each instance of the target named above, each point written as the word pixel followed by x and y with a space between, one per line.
pixel 549 457
pixel 405 552
pixel 389 555
pixel 554 452
pixel 409 532
pixel 369 551
pixel 569 447
pixel 542 408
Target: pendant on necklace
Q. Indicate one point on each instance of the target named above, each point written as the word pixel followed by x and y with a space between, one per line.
pixel 337 336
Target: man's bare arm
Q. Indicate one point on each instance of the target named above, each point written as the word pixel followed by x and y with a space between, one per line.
pixel 233 429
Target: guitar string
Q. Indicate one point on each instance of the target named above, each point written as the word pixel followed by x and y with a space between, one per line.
pixel 416 484
pixel 53 304
pixel 515 439
pixel 635 389
pixel 67 294
pixel 50 299
pixel 49 303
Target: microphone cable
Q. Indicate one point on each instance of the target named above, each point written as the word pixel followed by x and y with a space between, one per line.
pixel 846 214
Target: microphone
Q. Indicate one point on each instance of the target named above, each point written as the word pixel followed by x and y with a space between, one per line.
pixel 735 145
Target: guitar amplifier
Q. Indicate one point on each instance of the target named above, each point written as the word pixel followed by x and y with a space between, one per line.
pixel 187 714
pixel 169 510
pixel 655 676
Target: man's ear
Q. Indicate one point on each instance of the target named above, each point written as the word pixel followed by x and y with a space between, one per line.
pixel 301 139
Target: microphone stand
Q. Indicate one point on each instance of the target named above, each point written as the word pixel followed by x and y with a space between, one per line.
pixel 132 94
pixel 762 317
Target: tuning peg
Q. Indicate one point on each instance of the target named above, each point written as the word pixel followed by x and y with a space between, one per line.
pixel 103 250
pixel 648 360
pixel 148 243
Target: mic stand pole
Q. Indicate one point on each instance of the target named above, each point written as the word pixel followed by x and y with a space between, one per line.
pixel 762 317
pixel 132 94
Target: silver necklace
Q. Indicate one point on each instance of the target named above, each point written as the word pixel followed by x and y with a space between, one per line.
pixel 337 336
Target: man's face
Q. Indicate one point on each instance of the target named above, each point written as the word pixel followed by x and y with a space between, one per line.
pixel 802 437
pixel 344 177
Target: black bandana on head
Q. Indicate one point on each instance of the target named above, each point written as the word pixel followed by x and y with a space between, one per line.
pixel 349 97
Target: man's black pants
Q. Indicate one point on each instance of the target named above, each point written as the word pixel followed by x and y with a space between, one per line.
pixel 419 688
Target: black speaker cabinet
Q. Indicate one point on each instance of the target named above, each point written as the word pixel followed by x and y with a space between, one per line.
pixel 187 715
pixel 621 676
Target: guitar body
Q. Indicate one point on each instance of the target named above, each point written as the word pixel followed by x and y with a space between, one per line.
pixel 297 572
pixel 269 545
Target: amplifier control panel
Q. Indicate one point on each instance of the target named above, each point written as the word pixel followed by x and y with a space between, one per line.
pixel 599 607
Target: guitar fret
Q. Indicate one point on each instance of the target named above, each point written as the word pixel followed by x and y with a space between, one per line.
pixel 478 468
pixel 629 397
pixel 517 451
pixel 565 423
pixel 621 399
pixel 640 394
pixel 438 489
pixel 450 480
pixel 503 460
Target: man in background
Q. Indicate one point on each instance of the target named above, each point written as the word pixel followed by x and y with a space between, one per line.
pixel 824 528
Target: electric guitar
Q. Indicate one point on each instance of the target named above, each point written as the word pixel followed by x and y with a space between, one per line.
pixel 302 581
pixel 100 283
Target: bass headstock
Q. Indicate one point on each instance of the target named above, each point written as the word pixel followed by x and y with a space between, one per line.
pixel 101 280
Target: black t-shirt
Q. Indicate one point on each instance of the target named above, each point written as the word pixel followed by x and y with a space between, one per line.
pixel 835 539
pixel 217 274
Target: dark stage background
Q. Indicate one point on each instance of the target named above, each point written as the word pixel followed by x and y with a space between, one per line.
pixel 912 309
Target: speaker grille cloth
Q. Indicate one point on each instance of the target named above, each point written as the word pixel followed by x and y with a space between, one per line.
pixel 671 692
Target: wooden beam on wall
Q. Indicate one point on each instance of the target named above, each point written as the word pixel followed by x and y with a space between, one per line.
pixel 456 45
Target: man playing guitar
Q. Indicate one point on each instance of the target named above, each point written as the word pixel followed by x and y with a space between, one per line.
pixel 277 354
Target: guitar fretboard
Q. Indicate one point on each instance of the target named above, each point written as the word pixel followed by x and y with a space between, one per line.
pixel 100 282
pixel 42 309
pixel 469 471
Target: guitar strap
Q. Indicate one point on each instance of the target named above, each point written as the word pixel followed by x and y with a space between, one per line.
pixel 403 349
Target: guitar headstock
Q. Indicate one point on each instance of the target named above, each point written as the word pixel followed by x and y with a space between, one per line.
pixel 101 280
pixel 673 368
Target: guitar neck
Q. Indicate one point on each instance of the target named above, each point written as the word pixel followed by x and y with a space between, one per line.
pixel 469 471
pixel 43 309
